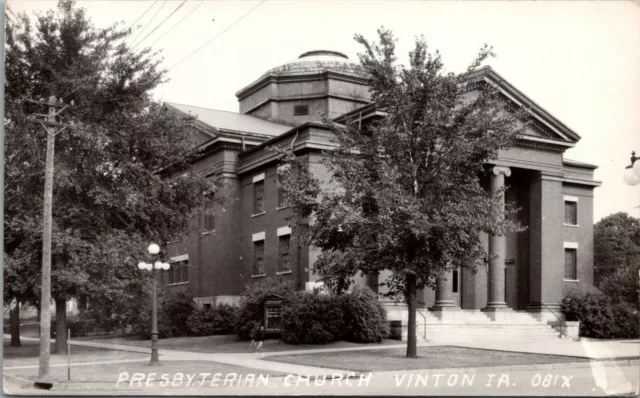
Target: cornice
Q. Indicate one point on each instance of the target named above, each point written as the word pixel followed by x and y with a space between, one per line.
pixel 528 142
pixel 314 76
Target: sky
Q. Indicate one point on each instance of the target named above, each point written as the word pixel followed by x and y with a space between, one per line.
pixel 579 60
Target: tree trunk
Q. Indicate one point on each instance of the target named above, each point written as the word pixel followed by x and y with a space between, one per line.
pixel 412 307
pixel 14 316
pixel 61 326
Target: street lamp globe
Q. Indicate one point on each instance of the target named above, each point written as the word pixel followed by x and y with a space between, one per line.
pixel 630 177
pixel 149 266
pixel 154 249
pixel 636 168
pixel 142 265
pixel 165 266
pixel 158 265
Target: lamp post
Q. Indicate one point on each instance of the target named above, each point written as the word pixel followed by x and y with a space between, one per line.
pixel 156 264
pixel 631 174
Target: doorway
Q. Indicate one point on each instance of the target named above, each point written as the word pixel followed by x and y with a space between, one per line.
pixel 457 287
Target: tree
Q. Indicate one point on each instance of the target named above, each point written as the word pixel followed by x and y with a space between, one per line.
pixel 616 247
pixel 406 192
pixel 122 173
pixel 616 244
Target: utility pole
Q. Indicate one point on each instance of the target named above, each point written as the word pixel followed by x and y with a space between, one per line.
pixel 49 123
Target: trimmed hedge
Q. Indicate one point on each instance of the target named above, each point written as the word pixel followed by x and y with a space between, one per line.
pixel 218 319
pixel 601 317
pixel 312 318
pixel 250 311
pixel 364 318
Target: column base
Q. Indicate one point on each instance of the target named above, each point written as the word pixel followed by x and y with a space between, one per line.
pixel 496 306
pixel 498 313
pixel 444 305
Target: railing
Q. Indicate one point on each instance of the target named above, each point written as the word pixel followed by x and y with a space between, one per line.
pixel 563 322
pixel 425 322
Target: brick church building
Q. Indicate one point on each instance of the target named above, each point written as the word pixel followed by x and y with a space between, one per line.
pixel 248 238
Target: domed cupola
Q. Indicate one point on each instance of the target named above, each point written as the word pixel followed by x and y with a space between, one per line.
pixel 318 82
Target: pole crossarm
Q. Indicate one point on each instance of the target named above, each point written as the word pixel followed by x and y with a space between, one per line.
pixel 43 102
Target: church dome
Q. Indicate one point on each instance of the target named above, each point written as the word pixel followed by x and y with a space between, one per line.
pixel 317 61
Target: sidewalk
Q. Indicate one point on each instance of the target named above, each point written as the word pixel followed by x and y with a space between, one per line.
pixel 585 348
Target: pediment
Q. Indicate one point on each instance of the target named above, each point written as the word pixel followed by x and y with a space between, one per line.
pixel 543 125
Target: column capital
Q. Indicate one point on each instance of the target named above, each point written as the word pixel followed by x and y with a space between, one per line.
pixel 497 170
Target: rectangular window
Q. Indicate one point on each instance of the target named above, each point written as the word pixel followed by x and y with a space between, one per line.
pixel 570 264
pixel 285 253
pixel 570 212
pixel 258 253
pixel 300 110
pixel 209 219
pixel 282 194
pixel 179 272
pixel 258 197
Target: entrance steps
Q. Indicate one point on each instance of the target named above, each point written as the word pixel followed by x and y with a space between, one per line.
pixel 457 325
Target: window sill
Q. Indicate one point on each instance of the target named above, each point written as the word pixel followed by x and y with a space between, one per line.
pixel 282 207
pixel 571 225
pixel 177 284
pixel 258 214
pixel 259 276
pixel 571 280
pixel 283 273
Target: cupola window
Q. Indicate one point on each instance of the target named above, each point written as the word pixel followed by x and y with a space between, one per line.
pixel 300 110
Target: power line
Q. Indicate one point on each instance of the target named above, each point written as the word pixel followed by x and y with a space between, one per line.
pixel 216 36
pixel 143 14
pixel 152 18
pixel 165 33
pixel 160 24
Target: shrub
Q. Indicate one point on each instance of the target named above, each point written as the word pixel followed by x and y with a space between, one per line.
pixel 173 311
pixel 218 319
pixel 178 307
pixel 312 318
pixel 250 311
pixel 364 318
pixel 602 317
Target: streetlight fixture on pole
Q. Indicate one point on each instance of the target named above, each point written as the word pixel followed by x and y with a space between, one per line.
pixel 631 173
pixel 156 264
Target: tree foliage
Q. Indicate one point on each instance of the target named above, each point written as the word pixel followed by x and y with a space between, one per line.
pixel 406 193
pixel 122 176
pixel 616 244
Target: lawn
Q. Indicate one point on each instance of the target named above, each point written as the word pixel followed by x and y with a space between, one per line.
pixel 436 357
pixel 109 373
pixel 29 352
pixel 228 344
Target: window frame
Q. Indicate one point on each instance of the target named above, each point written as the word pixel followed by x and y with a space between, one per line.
pixel 284 267
pixel 570 247
pixel 573 201
pixel 255 268
pixel 300 109
pixel 209 207
pixel 178 273
pixel 259 207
